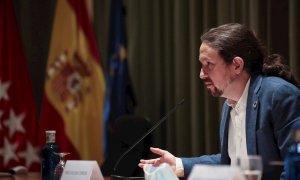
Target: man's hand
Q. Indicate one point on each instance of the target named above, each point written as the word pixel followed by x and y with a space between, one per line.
pixel 165 157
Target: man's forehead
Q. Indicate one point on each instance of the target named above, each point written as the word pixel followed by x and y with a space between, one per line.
pixel 208 53
pixel 201 48
pixel 206 49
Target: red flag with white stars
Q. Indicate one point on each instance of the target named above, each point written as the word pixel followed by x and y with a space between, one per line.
pixel 18 125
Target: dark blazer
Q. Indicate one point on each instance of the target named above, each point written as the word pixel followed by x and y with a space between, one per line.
pixel 273 106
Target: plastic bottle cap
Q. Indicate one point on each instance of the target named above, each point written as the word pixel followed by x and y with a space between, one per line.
pixel 50 131
pixel 50 136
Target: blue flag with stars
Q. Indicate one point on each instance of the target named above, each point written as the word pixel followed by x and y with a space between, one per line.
pixel 119 99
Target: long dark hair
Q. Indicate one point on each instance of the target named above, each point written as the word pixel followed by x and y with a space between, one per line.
pixel 276 65
pixel 234 39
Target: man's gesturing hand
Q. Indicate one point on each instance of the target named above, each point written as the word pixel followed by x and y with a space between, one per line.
pixel 165 157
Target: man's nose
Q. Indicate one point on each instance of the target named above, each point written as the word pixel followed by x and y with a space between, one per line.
pixel 202 74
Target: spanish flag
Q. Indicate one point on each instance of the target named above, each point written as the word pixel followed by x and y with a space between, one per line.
pixel 74 84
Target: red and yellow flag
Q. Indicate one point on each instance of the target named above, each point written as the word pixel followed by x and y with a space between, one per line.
pixel 74 85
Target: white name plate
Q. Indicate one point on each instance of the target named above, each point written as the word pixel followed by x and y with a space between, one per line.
pixel 215 172
pixel 81 170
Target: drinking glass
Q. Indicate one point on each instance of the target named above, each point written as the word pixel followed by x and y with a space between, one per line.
pixel 59 168
pixel 251 166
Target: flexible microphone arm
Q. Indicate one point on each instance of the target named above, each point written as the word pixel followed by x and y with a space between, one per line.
pixel 146 134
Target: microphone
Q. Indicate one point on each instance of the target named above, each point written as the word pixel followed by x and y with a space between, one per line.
pixel 146 134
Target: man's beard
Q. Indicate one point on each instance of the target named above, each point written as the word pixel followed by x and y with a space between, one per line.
pixel 212 89
pixel 215 91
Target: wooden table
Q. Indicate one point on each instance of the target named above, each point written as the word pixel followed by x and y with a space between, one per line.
pixel 29 176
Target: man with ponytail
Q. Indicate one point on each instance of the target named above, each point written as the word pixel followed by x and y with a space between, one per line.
pixel 262 101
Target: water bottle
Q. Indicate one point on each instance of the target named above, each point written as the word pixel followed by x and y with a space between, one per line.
pixel 49 159
pixel 292 159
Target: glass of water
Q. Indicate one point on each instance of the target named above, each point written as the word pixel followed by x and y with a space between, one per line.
pixel 61 164
pixel 251 166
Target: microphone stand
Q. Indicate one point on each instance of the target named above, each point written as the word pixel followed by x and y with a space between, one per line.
pixel 139 140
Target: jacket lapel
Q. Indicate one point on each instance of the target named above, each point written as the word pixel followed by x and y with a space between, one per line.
pixel 224 135
pixel 251 114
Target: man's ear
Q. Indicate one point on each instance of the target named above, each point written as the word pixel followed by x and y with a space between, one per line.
pixel 238 64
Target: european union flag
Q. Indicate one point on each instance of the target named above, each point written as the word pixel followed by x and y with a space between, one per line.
pixel 119 98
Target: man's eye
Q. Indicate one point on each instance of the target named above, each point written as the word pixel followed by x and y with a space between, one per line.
pixel 204 65
pixel 208 65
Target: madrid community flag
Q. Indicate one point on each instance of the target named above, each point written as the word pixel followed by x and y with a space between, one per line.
pixel 74 84
pixel 18 125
